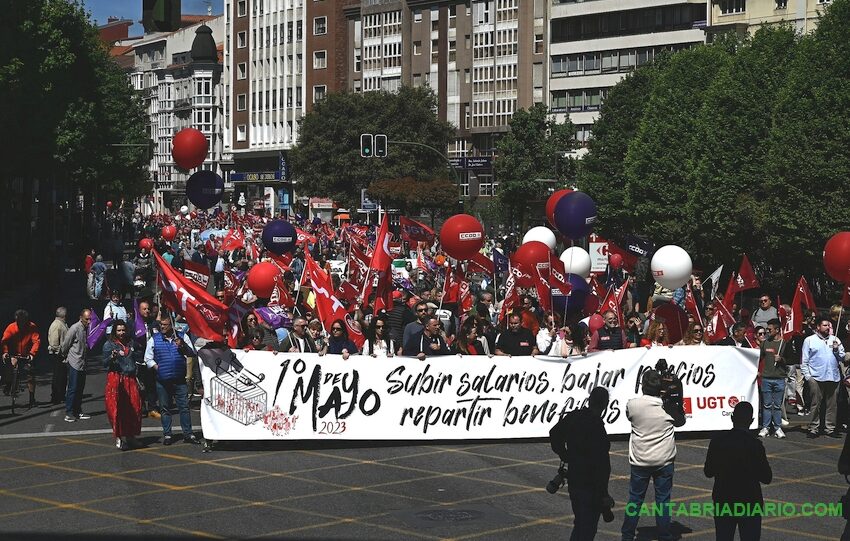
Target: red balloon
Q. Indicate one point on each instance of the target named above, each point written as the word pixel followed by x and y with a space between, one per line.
pixel 169 232
pixel 262 277
pixel 193 214
pixel 836 257
pixel 596 322
pixel 462 236
pixel 552 202
pixel 189 148
pixel 530 254
pixel 615 260
pixel 674 318
pixel 109 204
pixel 146 243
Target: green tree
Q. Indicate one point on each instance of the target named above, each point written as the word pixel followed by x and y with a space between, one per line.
pixel 601 172
pixel 436 197
pixel 661 155
pixel 808 156
pixel 727 186
pixel 527 152
pixel 327 160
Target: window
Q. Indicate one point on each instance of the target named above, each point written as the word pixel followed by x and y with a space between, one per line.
pixel 538 43
pixel 319 92
pixel 417 48
pixel 299 31
pixel 728 7
pixel 320 26
pixel 241 9
pixel 435 51
pixel 242 40
pixel 609 61
pixel 357 60
pixel 241 70
pixel 466 76
pixel 320 60
pixel 289 33
pixel 417 79
pixel 241 132
pixel 781 4
pixel 468 41
pixel 452 50
pixel 241 100
pixel 417 15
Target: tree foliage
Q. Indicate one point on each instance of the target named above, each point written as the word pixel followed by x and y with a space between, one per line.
pixel 530 151
pixel 66 101
pixel 327 159
pixel 738 146
pixel 436 197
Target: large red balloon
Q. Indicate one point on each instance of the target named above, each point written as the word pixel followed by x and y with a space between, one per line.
pixel 836 257
pixel 462 236
pixel 551 202
pixel 146 243
pixel 169 232
pixel 261 279
pixel 189 148
pixel 109 204
pixel 530 254
pixel 615 260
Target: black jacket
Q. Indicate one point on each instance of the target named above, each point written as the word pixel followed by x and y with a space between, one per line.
pixel 420 343
pixel 579 438
pixel 738 463
pixel 729 341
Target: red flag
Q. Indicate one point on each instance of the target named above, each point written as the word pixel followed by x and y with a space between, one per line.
pixel 481 263
pixel 614 301
pixel 413 231
pixel 230 284
pixel 382 259
pixel 282 261
pixel 522 276
pixel 347 291
pixel 451 286
pixel 235 314
pixel 204 314
pixel 629 259
pixel 304 237
pixel 197 272
pixel 558 277
pixel 691 304
pixel 596 288
pixel 281 296
pixel 544 290
pixel 234 239
pixel 511 295
pixel 358 266
pixel 744 280
pixel 328 306
pixel 806 294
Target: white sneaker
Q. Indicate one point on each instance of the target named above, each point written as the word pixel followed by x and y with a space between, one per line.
pixel 785 422
pixel 779 434
pixel 764 432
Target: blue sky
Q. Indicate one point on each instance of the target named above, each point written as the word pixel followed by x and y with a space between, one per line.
pixel 132 9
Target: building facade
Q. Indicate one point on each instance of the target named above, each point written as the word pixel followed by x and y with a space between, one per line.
pixel 179 92
pixel 747 16
pixel 484 59
pixel 593 44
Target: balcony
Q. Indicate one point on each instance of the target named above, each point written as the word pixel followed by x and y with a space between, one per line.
pixel 182 105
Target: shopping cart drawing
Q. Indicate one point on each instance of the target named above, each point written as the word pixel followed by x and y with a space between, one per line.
pixel 234 392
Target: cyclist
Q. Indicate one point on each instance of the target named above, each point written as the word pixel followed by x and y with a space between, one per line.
pixel 20 342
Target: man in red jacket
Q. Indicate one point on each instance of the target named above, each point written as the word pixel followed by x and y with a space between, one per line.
pixel 20 340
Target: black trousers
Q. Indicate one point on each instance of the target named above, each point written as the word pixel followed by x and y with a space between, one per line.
pixel 60 379
pixel 586 512
pixel 749 528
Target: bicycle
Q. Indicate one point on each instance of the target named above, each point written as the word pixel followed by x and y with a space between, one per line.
pixel 18 363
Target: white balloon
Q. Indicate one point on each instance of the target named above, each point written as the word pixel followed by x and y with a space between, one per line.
pixel 576 261
pixel 671 266
pixel 540 234
pixel 184 209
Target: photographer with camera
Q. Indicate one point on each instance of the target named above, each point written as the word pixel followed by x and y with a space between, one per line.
pixel 652 451
pixel 579 438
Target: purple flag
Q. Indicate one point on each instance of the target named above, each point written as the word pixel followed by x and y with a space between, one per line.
pixel 140 329
pixel 273 316
pixel 97 330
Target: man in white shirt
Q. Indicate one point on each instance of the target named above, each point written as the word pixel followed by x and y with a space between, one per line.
pixel 821 355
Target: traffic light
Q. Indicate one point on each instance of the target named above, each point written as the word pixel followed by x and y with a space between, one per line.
pixel 380 146
pixel 366 145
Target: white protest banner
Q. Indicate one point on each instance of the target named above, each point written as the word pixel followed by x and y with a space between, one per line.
pixel 263 396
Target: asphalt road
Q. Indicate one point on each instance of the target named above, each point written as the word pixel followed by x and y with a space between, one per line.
pixel 67 479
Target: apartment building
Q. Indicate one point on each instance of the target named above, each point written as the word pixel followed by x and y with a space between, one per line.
pixel 484 59
pixel 593 44
pixel 178 74
pixel 747 16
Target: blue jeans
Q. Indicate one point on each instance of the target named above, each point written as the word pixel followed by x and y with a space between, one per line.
pixel 662 479
pixel 772 395
pixel 166 390
pixel 74 394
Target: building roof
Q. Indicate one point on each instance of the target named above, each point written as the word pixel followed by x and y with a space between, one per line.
pixel 188 20
pixel 203 46
pixel 120 50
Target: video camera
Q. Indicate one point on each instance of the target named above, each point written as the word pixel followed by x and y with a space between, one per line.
pixel 558 481
pixel 671 389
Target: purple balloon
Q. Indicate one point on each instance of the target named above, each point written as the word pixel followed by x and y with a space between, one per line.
pixel 279 237
pixel 204 189
pixel 575 300
pixel 575 215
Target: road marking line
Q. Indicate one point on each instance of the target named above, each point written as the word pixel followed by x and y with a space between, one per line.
pixel 71 433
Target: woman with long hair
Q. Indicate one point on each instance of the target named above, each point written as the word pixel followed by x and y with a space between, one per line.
pixel 123 403
pixel 574 342
pixel 695 335
pixel 467 342
pixel 339 343
pixel 656 335
pixel 379 343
